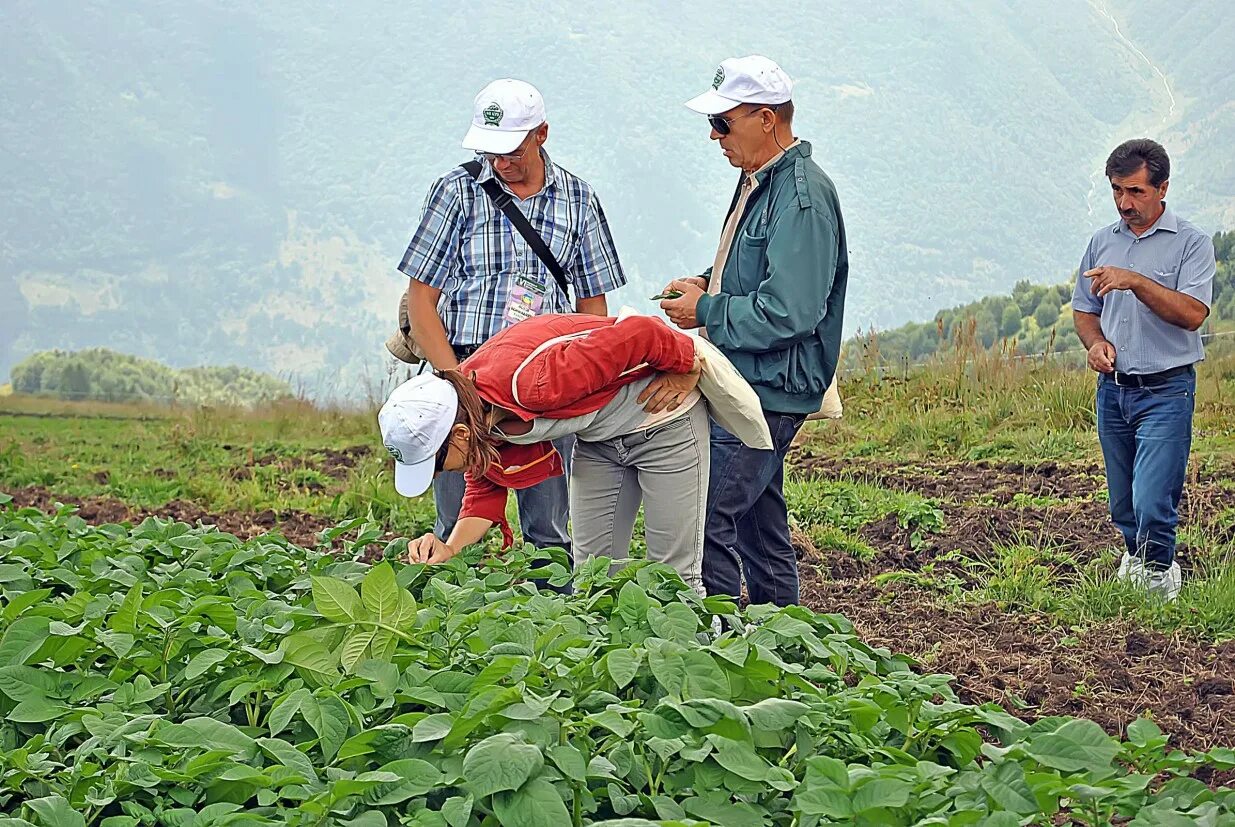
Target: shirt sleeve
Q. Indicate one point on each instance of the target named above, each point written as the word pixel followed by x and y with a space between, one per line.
pixel 596 269
pixel 563 374
pixel 1083 298
pixel 486 499
pixel 434 247
pixel 1196 271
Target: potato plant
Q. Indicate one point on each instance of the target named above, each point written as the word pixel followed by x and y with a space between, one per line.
pixel 161 674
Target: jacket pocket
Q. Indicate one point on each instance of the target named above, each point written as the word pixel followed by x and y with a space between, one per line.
pixel 751 258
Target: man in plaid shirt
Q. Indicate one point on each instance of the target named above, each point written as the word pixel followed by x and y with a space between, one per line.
pixel 472 274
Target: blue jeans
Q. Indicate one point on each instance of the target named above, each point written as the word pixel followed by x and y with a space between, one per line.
pixel 747 530
pixel 544 510
pixel 1146 434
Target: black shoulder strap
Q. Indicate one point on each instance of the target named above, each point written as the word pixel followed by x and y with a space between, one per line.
pixel 503 201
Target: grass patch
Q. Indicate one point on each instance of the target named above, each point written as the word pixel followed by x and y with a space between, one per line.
pixel 831 512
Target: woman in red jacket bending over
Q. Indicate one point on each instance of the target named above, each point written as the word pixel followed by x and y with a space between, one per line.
pixel 626 389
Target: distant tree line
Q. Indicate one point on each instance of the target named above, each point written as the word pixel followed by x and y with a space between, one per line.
pixel 106 376
pixel 1034 319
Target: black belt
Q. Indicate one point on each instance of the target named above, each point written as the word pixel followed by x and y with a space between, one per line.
pixel 1144 380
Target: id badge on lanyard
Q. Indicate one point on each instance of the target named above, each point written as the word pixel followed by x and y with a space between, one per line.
pixel 526 299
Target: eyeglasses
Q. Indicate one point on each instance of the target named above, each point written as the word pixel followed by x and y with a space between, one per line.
pixel 509 157
pixel 724 126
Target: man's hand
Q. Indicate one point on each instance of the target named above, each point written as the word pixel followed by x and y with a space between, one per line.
pixel 1102 357
pixel 681 311
pixel 666 392
pixel 429 549
pixel 1103 280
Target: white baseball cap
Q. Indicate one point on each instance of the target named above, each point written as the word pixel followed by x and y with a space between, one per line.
pixel 415 421
pixel 504 112
pixel 750 79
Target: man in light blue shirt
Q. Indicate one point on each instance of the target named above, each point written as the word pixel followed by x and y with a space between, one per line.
pixel 1144 290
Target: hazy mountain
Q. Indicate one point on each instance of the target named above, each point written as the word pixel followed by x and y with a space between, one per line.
pixel 233 182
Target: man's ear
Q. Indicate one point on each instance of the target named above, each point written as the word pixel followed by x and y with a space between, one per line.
pixel 1165 184
pixel 542 133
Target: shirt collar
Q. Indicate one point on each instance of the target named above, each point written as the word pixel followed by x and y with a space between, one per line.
pixel 797 147
pixel 1167 221
pixel 487 172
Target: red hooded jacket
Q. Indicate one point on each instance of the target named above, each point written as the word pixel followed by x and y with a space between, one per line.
pixel 559 366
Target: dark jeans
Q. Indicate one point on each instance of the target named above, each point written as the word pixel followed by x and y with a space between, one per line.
pixel 1146 434
pixel 543 509
pixel 747 529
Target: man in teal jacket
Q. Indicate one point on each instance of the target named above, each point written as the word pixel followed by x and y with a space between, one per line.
pixel 773 302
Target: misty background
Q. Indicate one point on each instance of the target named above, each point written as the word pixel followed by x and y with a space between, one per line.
pixel 234 183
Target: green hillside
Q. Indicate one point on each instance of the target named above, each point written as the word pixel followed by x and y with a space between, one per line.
pixel 251 172
pixel 106 376
pixel 1033 319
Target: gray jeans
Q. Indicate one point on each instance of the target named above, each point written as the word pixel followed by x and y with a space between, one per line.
pixel 667 469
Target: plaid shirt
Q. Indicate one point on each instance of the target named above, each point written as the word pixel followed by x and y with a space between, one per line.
pixel 470 251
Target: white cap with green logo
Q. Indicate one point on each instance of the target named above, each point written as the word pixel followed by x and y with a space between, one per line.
pixel 415 421
pixel 750 79
pixel 504 112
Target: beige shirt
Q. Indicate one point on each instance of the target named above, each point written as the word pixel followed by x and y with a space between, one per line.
pixel 731 226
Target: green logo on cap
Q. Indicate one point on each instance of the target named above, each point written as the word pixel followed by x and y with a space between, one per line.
pixel 720 77
pixel 493 114
pixel 394 452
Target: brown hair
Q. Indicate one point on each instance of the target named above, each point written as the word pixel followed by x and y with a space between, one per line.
pixel 474 413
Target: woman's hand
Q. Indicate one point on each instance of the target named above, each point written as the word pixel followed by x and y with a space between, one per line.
pixel 429 549
pixel 668 390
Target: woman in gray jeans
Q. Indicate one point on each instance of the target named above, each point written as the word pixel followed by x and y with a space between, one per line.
pixel 626 391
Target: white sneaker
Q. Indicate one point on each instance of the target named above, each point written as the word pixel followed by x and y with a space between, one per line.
pixel 1164 583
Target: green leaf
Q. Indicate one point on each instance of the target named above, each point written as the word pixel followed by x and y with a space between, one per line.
pixel 622 665
pixel 54 811
pixel 282 714
pixel 306 652
pixel 500 762
pixel 208 733
pixel 704 679
pixel 380 594
pixel 775 714
pixel 23 639
pixel 329 718
pixel 1076 745
pixel 202 662
pixel 288 756
pixel 738 758
pixel 354 647
pixel 535 804
pixel 25 683
pixel 1006 784
pixel 37 711
pixel 457 810
pixel 881 793
pixel 125 618
pixel 336 600
pixel 569 760
pixel 120 643
pixel 825 789
pixel 433 728
pixel 417 777
pixel 675 622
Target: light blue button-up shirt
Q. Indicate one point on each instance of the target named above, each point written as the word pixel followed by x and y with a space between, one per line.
pixel 1174 253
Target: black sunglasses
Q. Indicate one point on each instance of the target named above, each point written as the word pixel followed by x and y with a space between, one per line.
pixel 440 461
pixel 723 125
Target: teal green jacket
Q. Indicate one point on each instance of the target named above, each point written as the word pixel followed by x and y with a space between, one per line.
pixel 781 303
